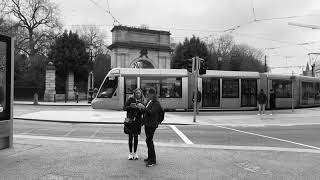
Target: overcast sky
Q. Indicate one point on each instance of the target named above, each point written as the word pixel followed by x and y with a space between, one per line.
pixel 206 18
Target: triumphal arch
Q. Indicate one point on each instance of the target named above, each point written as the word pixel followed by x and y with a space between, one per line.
pixel 140 48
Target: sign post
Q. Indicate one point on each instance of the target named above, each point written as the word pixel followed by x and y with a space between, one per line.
pixel 195 69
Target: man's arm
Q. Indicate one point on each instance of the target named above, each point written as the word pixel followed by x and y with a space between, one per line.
pixel 153 109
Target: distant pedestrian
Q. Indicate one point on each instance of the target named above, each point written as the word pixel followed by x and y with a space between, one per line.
pixel 152 118
pixel 262 100
pixel 76 93
pixel 134 107
pixel 272 101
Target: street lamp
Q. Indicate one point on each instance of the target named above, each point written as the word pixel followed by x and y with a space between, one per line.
pixel 90 50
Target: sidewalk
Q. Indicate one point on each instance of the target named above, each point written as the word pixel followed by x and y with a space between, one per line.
pixel 84 160
pixel 60 103
pixel 310 116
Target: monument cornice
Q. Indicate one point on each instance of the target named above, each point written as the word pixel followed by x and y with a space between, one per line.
pixel 135 29
pixel 136 45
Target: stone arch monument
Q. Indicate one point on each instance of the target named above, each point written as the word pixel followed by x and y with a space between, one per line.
pixel 140 48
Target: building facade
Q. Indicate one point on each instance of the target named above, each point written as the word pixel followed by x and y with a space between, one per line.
pixel 140 48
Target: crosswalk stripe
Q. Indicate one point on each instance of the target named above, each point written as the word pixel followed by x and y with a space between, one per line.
pixel 182 136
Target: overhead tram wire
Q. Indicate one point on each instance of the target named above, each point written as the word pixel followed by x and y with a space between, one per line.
pixel 107 11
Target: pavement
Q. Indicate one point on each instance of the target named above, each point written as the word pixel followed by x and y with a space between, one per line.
pixel 85 114
pixel 59 103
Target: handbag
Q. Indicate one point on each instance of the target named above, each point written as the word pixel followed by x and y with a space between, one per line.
pixel 127 125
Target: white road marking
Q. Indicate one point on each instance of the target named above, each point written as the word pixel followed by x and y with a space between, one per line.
pixel 28 131
pixel 95 133
pixel 182 136
pixel 71 131
pixel 200 146
pixel 268 137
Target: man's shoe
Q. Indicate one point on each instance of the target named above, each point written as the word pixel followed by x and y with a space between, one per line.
pixel 146 160
pixel 130 157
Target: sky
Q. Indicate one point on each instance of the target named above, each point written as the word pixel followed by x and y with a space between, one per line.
pixel 208 19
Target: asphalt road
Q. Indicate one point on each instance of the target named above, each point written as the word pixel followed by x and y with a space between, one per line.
pixel 36 156
pixel 197 134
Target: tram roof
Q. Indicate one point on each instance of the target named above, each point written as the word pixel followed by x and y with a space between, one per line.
pixel 231 74
pixel 147 72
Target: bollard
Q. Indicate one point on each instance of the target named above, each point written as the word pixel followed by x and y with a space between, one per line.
pixel 35 99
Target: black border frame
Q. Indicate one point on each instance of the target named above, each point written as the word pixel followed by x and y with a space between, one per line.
pixel 5 115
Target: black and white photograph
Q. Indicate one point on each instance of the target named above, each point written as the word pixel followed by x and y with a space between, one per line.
pixel 159 90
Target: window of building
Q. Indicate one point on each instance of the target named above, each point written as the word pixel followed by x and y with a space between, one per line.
pixel 108 87
pixel 230 88
pixel 165 87
pixel 282 88
pixel 171 88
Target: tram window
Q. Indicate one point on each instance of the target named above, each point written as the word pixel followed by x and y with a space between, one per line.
pixel 317 91
pixel 130 84
pixel 282 88
pixel 108 87
pixel 147 83
pixel 230 88
pixel 171 88
pixel 307 90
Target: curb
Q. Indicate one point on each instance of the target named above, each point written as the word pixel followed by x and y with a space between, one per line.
pixel 88 122
pixel 52 104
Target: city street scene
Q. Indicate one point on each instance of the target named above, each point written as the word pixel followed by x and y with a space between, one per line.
pixel 105 89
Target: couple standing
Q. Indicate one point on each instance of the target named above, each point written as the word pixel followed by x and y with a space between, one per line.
pixel 142 111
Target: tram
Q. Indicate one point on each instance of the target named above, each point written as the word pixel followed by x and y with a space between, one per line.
pixel 235 90
pixel 170 84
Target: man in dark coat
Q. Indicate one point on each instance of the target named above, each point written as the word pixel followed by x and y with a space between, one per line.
pixel 151 122
pixel 272 101
pixel 262 100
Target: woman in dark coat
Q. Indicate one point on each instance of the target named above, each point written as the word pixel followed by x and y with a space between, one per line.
pixel 134 113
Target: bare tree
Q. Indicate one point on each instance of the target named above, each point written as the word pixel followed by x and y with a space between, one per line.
pixel 222 45
pixel 94 36
pixel 38 20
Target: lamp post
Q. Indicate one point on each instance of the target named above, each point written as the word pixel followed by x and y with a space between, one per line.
pixel 89 50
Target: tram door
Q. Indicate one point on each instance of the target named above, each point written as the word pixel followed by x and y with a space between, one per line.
pixel 248 92
pixel 210 92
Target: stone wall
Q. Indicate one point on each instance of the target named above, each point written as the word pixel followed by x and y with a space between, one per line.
pixel 70 86
pixel 126 57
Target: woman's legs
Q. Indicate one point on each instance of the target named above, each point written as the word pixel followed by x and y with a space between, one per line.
pixel 135 143
pixel 130 142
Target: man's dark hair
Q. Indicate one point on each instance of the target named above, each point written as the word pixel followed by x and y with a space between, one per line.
pixel 152 91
